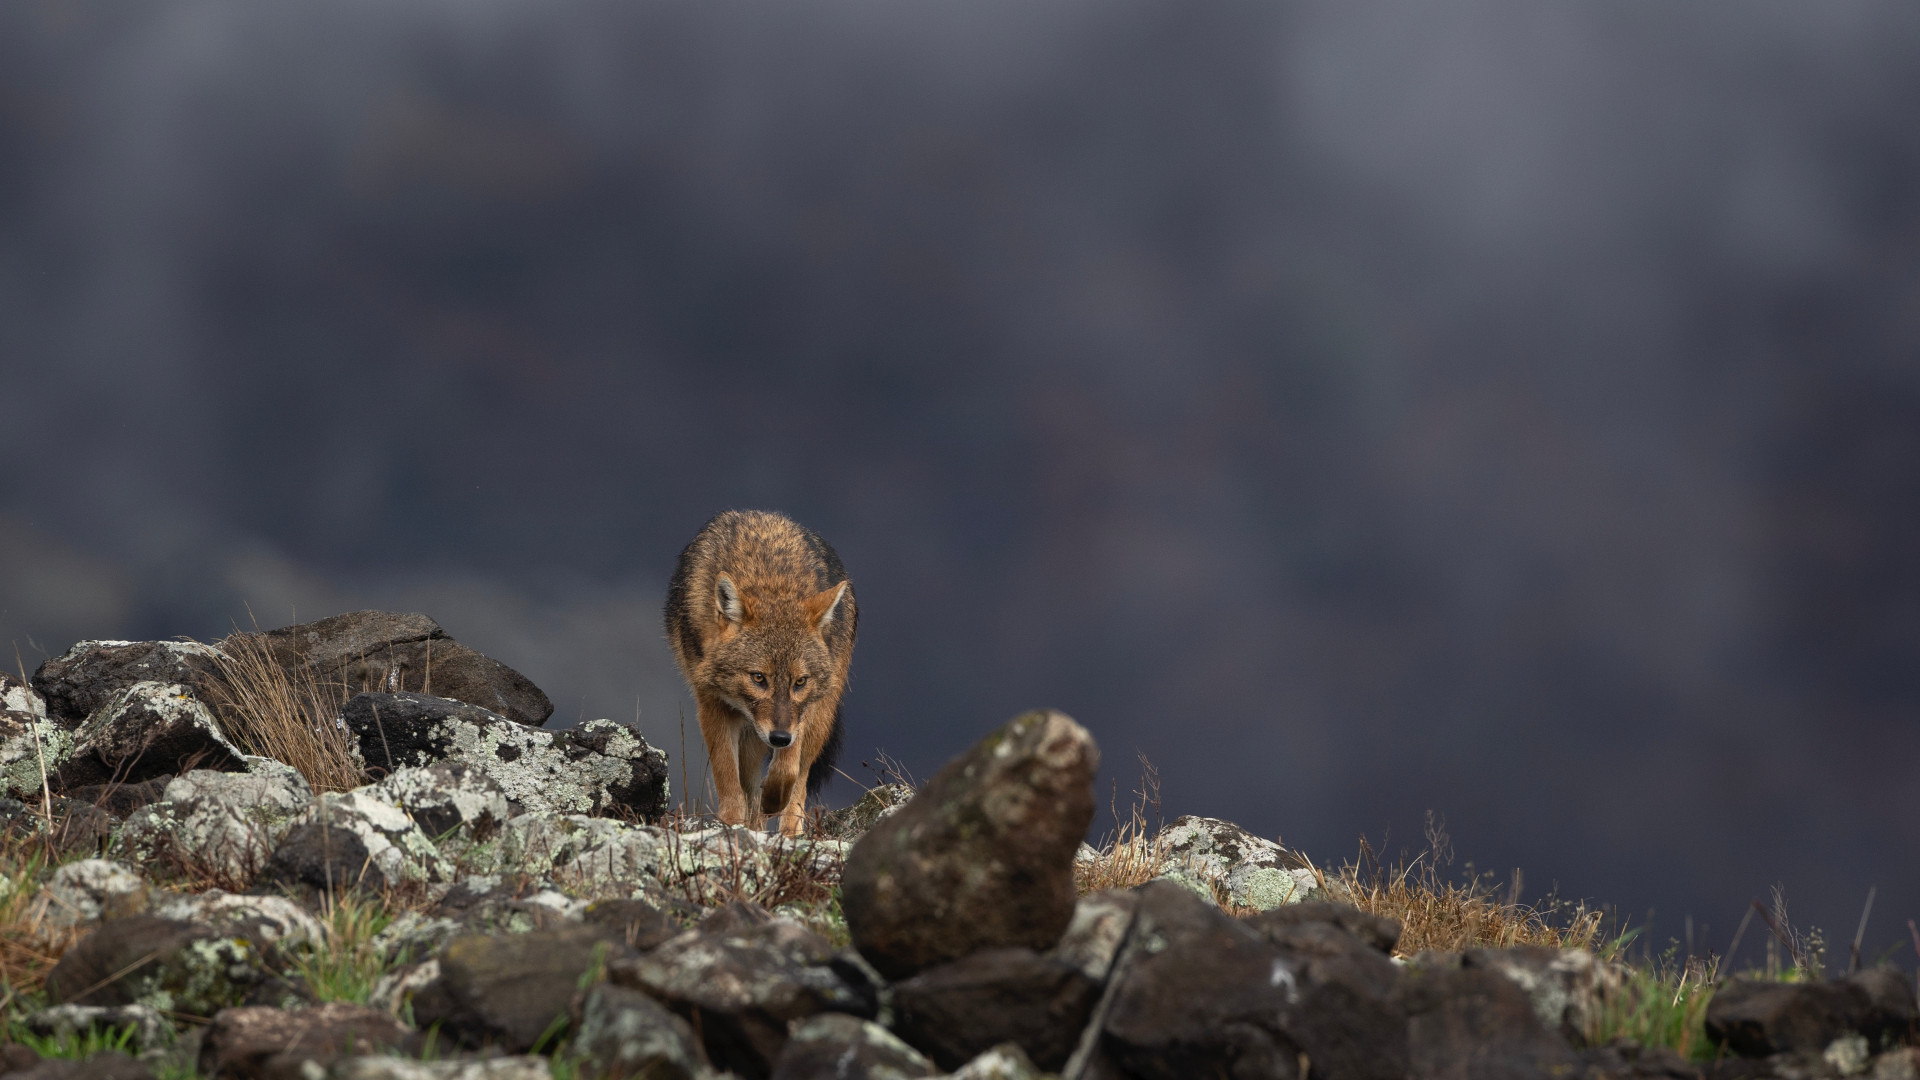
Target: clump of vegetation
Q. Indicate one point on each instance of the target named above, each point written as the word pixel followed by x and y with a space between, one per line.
pixel 1135 851
pixel 349 963
pixel 28 946
pixel 293 717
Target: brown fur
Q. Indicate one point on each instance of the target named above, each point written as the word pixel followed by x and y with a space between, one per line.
pixel 761 618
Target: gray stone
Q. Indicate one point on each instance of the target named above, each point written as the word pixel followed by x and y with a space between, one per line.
pixel 1004 1062
pixel 625 1033
pixel 267 921
pixel 956 1011
pixel 257 1043
pixel 445 799
pixel 982 857
pixel 176 967
pixel 393 652
pixel 513 991
pixel 847 1048
pixel 29 741
pixel 852 822
pixel 1253 871
pixel 1756 1017
pixel 221 826
pixel 1472 1022
pixel 1381 934
pixel 524 1067
pixel 109 1065
pixel 591 855
pixel 79 682
pixel 150 1030
pixel 1092 939
pixel 143 731
pixel 353 839
pixel 1569 988
pixel 599 767
pixel 90 891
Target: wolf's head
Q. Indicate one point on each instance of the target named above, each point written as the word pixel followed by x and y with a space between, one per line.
pixel 771 660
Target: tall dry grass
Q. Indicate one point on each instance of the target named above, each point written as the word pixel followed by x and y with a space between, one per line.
pixel 290 716
pixel 1135 851
pixel 28 946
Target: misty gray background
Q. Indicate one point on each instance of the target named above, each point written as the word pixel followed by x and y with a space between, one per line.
pixel 1505 409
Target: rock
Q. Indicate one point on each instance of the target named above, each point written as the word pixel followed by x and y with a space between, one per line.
pixel 176 967
pixel 219 826
pixel 1253 871
pixel 1093 937
pixel 82 680
pixel 121 800
pixel 599 767
pixel 271 922
pixel 982 857
pixel 1196 993
pixel 513 991
pixel 956 1011
pixel 31 745
pixel 143 731
pixel 487 904
pixel 841 1046
pixel 447 797
pixel 1472 1022
pixel 624 1033
pixel 1624 1059
pixel 1899 1063
pixel 590 855
pixel 640 924
pixel 254 1043
pixel 853 822
pixel 77 828
pixel 746 987
pixel 354 840
pixel 1381 934
pixel 149 1029
pixel 1003 1062
pixel 389 651
pixel 90 891
pixel 1569 988
pixel 390 1068
pixel 1756 1018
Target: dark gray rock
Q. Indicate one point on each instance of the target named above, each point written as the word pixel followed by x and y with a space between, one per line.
pixel 77 683
pixel 1756 1018
pixel 255 1043
pixel 90 891
pixel 1475 1024
pixel 1379 933
pixel 982 857
pixel 77 828
pixel 513 992
pixel 623 1033
pixel 954 1012
pixel 32 746
pixel 388 651
pixel 121 799
pixel 1569 988
pixel 847 1048
pixel 146 730
pixel 392 849
pixel 640 924
pixel 111 1065
pixel 178 967
pixel 1196 993
pixel 742 990
pixel 320 860
pixel 599 767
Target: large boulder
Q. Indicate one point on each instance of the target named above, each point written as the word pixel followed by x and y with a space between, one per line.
pixel 216 826
pixel 1252 871
pixel 512 991
pixel 1476 1023
pixel 84 678
pixel 1757 1017
pixel 599 767
pixel 145 730
pixel 389 651
pixel 956 1011
pixel 982 857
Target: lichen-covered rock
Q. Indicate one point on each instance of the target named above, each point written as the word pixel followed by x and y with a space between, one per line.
pixel 148 1029
pixel 591 855
pixel 144 730
pixel 29 741
pixel 173 966
pixel 445 799
pixel 90 891
pixel 1093 937
pixel 525 1067
pixel 852 822
pixel 1569 988
pixel 599 767
pixel 625 1033
pixel 272 922
pixel 353 840
pixel 76 827
pixel 848 1047
pixel 80 681
pixel 267 1044
pixel 983 856
pixel 512 991
pixel 218 825
pixel 1004 1062
pixel 390 651
pixel 747 985
pixel 1252 870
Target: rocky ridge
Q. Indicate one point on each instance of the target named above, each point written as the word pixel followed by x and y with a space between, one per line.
pixel 509 902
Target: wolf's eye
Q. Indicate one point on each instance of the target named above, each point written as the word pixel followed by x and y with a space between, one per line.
pixel 800 682
pixel 759 678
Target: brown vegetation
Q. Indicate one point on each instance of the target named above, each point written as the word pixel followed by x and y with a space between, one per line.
pixel 292 717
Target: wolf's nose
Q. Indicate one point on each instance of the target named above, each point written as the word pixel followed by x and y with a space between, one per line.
pixel 778 739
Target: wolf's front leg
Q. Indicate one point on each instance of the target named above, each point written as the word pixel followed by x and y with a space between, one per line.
pixel 719 728
pixel 785 794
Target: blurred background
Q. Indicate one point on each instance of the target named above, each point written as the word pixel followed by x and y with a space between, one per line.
pixel 1500 409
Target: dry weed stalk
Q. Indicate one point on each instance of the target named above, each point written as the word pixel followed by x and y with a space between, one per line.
pixel 1448 916
pixel 1136 851
pixel 293 717
pixel 28 947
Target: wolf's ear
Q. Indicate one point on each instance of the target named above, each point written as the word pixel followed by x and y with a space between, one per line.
pixel 822 606
pixel 727 598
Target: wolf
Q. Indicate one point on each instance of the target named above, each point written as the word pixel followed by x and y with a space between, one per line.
pixel 761 619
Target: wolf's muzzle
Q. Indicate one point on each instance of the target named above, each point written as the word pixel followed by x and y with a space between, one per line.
pixel 779 739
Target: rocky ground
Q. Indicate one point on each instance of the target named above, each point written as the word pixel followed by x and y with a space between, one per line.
pixel 504 901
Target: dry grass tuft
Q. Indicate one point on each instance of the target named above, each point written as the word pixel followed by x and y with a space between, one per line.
pixel 290 717
pixel 1448 916
pixel 28 948
pixel 1135 851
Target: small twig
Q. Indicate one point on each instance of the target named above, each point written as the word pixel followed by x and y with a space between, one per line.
pixel 1853 965
pixel 1739 932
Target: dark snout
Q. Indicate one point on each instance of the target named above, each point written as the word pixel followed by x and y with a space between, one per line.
pixel 779 739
